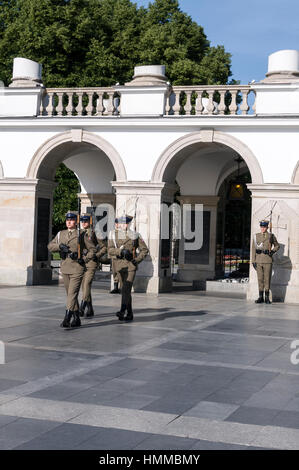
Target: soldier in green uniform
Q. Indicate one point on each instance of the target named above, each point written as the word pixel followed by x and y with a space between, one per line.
pixel 91 265
pixel 264 245
pixel 70 246
pixel 123 245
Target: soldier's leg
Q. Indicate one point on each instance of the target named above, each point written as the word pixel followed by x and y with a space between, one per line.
pixel 128 294
pixel 268 274
pixel 260 279
pixel 74 287
pixel 89 275
pixel 66 323
pixel 116 281
pixel 83 301
pixel 122 276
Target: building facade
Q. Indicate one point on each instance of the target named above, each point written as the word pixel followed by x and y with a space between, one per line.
pixel 149 142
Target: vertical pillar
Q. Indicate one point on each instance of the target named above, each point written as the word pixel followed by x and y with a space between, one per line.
pixel 200 264
pixel 25 210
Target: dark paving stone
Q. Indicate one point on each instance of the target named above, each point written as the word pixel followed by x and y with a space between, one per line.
pixel 23 430
pixel 108 438
pixel 171 405
pixel 65 436
pixel 160 442
pixel 251 415
pixel 6 384
pixel 288 419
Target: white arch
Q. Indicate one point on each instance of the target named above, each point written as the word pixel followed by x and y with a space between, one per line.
pixel 1 170
pixel 86 137
pixel 295 175
pixel 207 136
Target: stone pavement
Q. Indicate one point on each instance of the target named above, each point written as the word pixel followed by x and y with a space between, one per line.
pixel 191 372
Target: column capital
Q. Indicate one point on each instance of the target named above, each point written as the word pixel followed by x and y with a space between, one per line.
pixel 138 187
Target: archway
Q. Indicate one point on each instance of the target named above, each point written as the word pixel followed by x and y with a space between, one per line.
pixel 95 163
pixel 203 165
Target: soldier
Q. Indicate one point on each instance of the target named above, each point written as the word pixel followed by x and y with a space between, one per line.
pixel 122 245
pixel 91 265
pixel 70 244
pixel 264 245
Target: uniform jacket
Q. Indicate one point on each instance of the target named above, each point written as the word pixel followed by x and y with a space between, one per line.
pixel 118 241
pixel 263 241
pixel 69 266
pixel 101 248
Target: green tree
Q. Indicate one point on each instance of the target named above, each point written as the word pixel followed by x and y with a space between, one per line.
pixel 98 42
pixel 65 196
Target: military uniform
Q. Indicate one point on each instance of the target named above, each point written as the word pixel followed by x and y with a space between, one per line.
pixel 264 245
pixel 121 248
pixel 91 266
pixel 72 269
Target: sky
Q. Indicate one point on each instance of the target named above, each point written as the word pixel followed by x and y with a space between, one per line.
pixel 249 30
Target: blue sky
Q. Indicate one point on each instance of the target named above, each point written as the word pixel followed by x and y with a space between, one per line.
pixel 249 30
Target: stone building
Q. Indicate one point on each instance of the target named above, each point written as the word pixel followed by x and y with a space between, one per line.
pixel 150 141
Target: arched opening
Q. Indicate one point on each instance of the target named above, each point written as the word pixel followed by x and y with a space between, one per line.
pixel 204 169
pixel 95 164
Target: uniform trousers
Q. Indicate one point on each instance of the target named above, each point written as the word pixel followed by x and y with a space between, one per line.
pixel 72 283
pixel 264 272
pixel 126 279
pixel 86 283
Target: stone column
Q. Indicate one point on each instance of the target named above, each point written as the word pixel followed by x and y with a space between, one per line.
pixel 283 199
pixel 25 212
pixel 148 196
pixel 200 265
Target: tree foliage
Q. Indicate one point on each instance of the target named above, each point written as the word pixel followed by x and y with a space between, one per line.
pixel 65 196
pixel 98 42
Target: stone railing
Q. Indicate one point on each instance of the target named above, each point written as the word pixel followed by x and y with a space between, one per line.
pixel 80 102
pixel 211 100
pixel 181 100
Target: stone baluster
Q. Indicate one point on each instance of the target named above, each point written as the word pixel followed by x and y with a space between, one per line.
pixel 59 107
pixel 233 107
pixel 177 106
pixel 254 103
pixel 43 104
pixel 222 105
pixel 99 105
pixel 198 103
pixel 79 107
pixel 210 107
pixel 168 107
pixel 188 105
pixel 109 105
pixel 89 108
pixel 244 105
pixel 69 107
pixel 49 99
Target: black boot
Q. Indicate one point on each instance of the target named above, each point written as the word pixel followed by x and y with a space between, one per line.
pixel 121 313
pixel 76 320
pixel 116 289
pixel 82 308
pixel 129 316
pixel 90 312
pixel 260 300
pixel 267 300
pixel 67 319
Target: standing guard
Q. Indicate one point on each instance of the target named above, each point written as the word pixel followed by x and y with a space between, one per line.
pixel 70 243
pixel 264 245
pixel 91 265
pixel 122 246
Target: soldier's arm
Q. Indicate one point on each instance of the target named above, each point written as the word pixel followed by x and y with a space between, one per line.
pixel 54 244
pixel 90 246
pixel 112 251
pixel 275 244
pixel 102 248
pixel 143 250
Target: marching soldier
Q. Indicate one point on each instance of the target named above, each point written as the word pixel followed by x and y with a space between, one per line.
pixel 122 246
pixel 264 245
pixel 90 265
pixel 70 244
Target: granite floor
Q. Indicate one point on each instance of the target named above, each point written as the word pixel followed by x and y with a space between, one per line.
pixel 191 372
